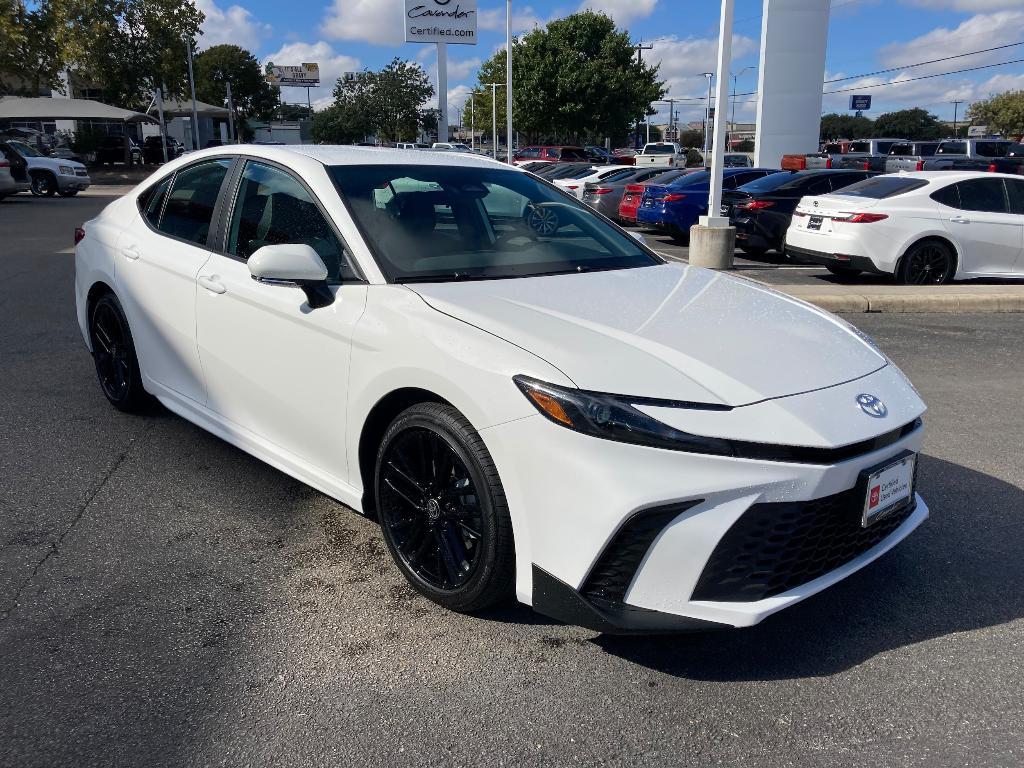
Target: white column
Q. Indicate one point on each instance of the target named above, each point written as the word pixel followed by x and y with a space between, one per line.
pixel 508 77
pixel 721 97
pixel 794 34
pixel 442 91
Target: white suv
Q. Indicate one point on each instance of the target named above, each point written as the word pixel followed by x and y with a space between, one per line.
pixel 49 175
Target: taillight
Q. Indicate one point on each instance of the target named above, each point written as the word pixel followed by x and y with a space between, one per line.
pixel 919 166
pixel 992 168
pixel 4 163
pixel 79 235
pixel 757 205
pixel 862 218
pixel 865 166
pixel 601 191
pixel 673 197
pixel 828 162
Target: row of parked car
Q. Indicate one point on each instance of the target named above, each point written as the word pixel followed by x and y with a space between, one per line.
pixel 892 155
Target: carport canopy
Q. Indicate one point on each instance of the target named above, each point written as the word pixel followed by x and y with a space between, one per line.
pixel 18 108
pixel 183 108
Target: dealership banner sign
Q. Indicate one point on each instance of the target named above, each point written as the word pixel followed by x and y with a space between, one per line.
pixel 440 21
pixel 305 76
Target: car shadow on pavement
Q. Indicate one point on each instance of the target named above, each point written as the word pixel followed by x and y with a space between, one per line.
pixel 960 571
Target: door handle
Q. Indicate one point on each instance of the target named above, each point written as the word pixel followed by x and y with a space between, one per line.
pixel 960 220
pixel 211 285
pixel 131 253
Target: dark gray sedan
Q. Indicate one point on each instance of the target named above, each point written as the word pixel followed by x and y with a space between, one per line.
pixel 605 196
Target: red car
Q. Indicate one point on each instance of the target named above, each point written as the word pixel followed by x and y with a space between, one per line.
pixel 551 155
pixel 634 192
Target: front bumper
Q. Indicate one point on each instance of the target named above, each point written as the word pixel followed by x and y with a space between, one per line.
pixel 623 538
pixel 76 183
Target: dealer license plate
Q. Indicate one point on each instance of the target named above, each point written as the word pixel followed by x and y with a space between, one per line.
pixel 889 488
pixel 814 222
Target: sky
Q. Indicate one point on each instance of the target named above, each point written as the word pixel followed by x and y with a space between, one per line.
pixel 865 36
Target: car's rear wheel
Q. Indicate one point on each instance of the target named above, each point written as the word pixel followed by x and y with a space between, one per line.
pixel 753 250
pixel 113 352
pixel 43 184
pixel 442 509
pixel 927 263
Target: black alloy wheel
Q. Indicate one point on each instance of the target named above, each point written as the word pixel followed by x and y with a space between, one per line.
pixel 43 184
pixel 927 263
pixel 442 510
pixel 113 352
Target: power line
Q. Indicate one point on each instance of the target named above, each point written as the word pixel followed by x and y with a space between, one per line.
pixel 923 63
pixel 925 77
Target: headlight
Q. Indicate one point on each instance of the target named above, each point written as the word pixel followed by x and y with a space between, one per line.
pixel 66 170
pixel 614 417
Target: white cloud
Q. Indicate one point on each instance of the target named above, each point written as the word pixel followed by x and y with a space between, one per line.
pixel 524 19
pixel 236 26
pixel 461 70
pixel 623 11
pixel 332 65
pixel 984 30
pixel 971 6
pixel 371 21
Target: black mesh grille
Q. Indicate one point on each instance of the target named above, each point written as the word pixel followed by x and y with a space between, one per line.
pixel 613 572
pixel 772 548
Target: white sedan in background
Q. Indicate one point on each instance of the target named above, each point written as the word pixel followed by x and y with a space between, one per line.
pixel 927 227
pixel 577 183
pixel 530 401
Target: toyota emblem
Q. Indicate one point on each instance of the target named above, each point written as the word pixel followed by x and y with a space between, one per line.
pixel 872 406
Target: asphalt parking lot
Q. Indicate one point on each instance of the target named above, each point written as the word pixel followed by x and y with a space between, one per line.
pixel 165 599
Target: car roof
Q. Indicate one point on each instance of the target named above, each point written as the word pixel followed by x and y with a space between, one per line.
pixel 347 155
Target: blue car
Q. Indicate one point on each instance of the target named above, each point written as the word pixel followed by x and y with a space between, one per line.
pixel 675 207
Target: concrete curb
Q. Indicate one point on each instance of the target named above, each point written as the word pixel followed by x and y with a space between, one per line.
pixel 948 303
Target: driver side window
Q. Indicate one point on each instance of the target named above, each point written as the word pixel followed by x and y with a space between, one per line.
pixel 273 208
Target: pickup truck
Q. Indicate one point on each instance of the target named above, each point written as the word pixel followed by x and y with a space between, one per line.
pixel 909 155
pixel 829 157
pixel 867 154
pixel 665 153
pixel 1013 162
pixel 967 149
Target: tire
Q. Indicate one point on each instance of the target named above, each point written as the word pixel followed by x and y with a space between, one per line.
pixel 68 192
pixel 117 365
pixel 754 251
pixel 844 273
pixel 454 547
pixel 679 236
pixel 43 184
pixel 930 262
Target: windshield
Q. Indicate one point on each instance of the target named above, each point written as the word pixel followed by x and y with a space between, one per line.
pixel 769 182
pixel 659 149
pixel 433 223
pixel 24 149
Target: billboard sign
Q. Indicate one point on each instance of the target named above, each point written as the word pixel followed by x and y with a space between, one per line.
pixel 304 76
pixel 440 21
pixel 860 103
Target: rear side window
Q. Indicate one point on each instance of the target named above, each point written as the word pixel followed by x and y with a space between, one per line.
pixel 952 148
pixel 926 150
pixel 860 146
pixel 901 149
pixel 1015 191
pixel 884 146
pixel 151 202
pixel 189 209
pixel 573 154
pixel 881 187
pixel 990 149
pixel 986 195
pixel 947 196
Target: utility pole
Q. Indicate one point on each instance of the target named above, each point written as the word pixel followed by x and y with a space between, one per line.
pixel 192 85
pixel 640 48
pixel 707 116
pixel 508 79
pixel 955 105
pixel 442 91
pixel 735 78
pixel 472 121
pixel 163 126
pixel 231 115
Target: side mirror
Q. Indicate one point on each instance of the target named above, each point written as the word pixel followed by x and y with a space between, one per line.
pixel 293 264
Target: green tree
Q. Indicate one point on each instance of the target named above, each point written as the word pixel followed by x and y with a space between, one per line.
pixel 388 103
pixel 836 126
pixel 129 47
pixel 30 58
pixel 577 79
pixel 252 95
pixel 916 124
pixel 691 139
pixel 1003 113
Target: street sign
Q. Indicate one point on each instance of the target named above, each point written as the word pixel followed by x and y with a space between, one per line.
pixel 305 76
pixel 860 103
pixel 440 21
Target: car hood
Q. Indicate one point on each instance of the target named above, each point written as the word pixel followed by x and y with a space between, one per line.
pixel 670 331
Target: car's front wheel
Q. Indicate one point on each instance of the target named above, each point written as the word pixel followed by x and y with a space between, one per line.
pixel 442 509
pixel 113 351
pixel 43 184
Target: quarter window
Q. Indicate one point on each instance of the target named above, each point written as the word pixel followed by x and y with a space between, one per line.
pixel 152 201
pixel 947 196
pixel 1015 190
pixel 189 210
pixel 273 208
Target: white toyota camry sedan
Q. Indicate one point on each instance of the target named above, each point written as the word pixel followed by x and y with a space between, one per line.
pixel 529 400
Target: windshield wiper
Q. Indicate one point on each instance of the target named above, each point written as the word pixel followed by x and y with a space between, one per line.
pixel 448 277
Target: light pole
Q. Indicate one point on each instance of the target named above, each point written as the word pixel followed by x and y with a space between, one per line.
pixel 640 48
pixel 735 78
pixel 955 105
pixel 707 115
pixel 508 79
pixel 192 85
pixel 472 121
pixel 494 112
